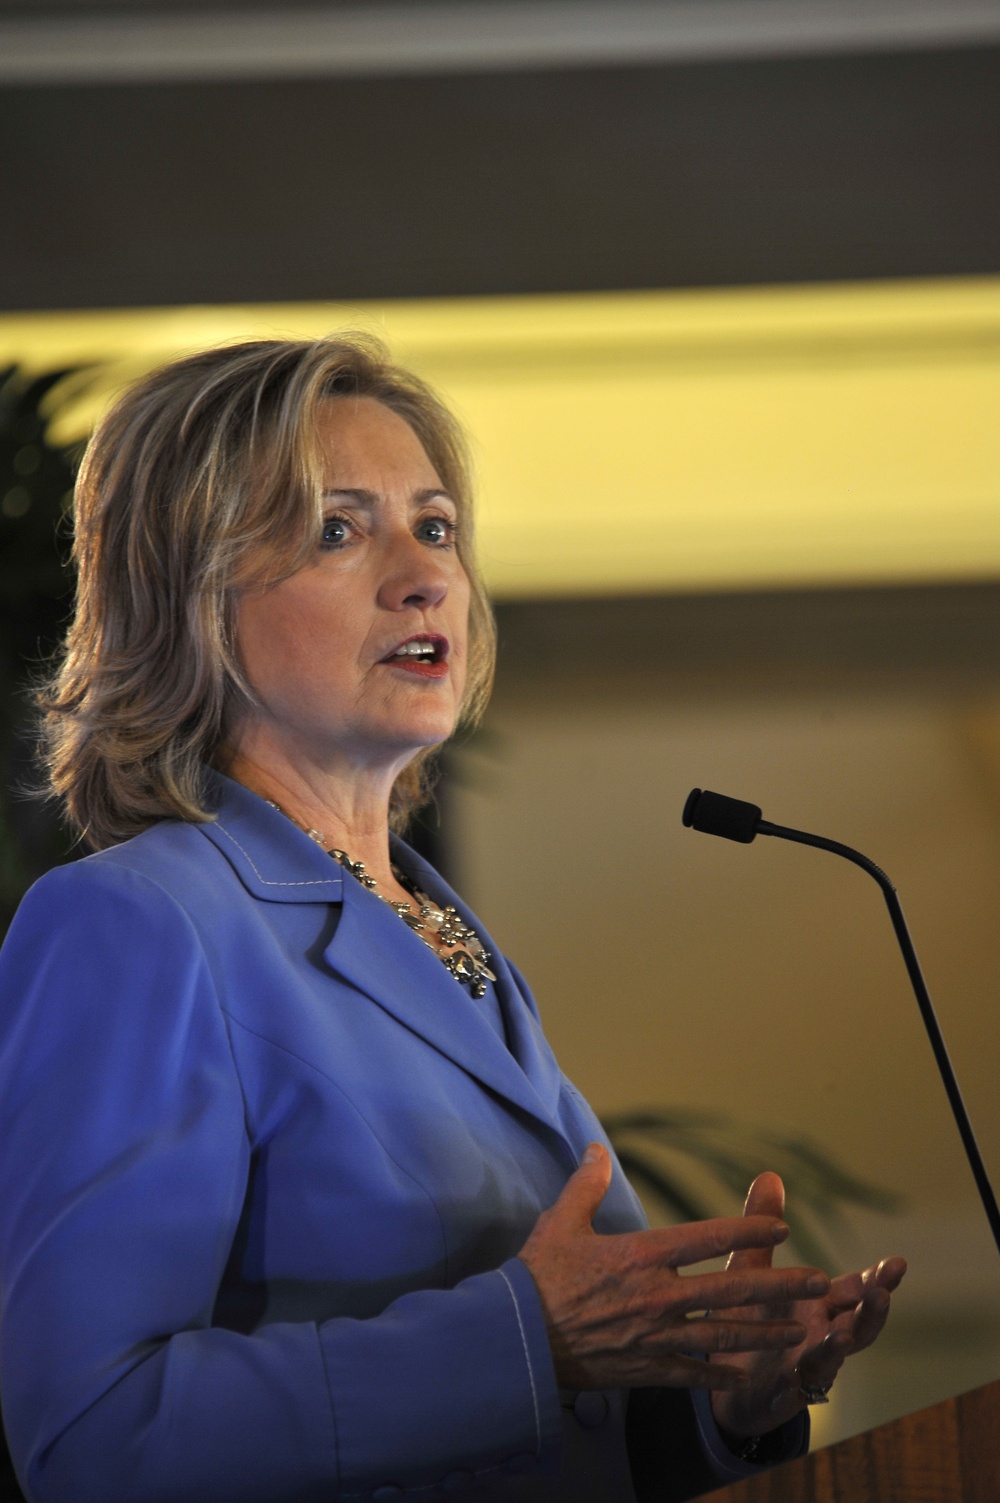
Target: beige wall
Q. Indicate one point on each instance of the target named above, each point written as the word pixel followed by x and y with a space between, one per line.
pixel 764 981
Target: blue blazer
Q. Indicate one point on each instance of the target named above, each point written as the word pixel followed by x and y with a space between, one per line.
pixel 264 1172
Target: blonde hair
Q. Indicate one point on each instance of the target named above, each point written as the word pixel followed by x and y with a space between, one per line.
pixel 203 475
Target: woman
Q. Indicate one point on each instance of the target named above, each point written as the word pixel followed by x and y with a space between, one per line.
pixel 296 1202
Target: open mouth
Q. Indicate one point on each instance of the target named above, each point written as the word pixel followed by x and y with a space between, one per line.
pixel 427 655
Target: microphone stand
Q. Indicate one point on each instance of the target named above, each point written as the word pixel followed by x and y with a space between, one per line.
pixel 716 814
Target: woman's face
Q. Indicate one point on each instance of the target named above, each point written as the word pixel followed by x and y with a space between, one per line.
pixel 360 657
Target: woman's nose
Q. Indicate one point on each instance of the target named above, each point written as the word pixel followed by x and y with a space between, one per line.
pixel 414 575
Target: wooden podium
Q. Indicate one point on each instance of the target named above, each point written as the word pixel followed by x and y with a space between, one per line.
pixel 947 1454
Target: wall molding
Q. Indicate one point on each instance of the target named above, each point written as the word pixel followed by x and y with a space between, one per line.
pixel 453 38
pixel 629 443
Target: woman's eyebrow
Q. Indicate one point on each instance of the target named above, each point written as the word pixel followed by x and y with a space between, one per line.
pixel 435 493
pixel 369 500
pixel 364 498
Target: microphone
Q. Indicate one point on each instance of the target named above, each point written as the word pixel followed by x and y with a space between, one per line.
pixel 734 819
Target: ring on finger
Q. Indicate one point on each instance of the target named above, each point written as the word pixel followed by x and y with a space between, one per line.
pixel 814 1393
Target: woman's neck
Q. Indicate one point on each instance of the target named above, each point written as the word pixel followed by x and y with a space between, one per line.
pixel 350 815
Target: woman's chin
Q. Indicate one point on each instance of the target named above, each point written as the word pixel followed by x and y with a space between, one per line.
pixel 426 720
pixel 414 734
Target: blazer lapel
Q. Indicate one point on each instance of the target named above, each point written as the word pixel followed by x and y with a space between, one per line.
pixel 374 951
pixel 528 1043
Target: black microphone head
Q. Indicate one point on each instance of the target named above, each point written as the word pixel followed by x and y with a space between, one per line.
pixel 715 814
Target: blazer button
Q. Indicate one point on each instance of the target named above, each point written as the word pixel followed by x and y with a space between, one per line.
pixel 389 1494
pixel 590 1408
pixel 457 1482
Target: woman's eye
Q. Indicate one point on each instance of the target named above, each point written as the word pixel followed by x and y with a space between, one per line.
pixel 335 532
pixel 437 530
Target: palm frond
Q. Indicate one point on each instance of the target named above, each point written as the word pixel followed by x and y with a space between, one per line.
pixel 723 1156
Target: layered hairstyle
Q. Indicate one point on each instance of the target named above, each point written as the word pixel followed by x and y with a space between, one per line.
pixel 204 479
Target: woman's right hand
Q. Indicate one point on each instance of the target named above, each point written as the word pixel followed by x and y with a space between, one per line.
pixel 619 1313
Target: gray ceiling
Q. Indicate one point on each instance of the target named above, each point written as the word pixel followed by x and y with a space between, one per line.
pixel 47 41
pixel 200 156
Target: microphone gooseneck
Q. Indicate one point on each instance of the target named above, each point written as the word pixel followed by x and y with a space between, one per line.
pixel 734 819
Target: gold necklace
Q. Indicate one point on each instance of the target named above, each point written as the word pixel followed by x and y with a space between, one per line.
pixel 469 960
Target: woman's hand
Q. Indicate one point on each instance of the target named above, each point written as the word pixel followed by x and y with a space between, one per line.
pixel 620 1314
pixel 845 1320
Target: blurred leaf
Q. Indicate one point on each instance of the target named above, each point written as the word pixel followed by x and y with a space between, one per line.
pixel 36 592
pixel 729 1155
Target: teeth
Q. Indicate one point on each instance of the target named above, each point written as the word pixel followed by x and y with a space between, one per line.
pixel 415 650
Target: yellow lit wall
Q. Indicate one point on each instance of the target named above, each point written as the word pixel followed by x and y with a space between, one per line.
pixel 840 434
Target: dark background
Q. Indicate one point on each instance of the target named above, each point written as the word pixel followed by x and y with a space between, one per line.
pixel 686 175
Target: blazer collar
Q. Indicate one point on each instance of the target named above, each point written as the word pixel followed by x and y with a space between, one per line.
pixel 272 857
pixel 375 952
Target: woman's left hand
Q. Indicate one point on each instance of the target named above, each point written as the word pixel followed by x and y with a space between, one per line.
pixel 845 1320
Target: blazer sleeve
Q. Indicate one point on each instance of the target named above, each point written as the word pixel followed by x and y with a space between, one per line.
pixel 124 1159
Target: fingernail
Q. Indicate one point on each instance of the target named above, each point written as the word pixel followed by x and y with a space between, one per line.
pixel 779 1231
pixel 591 1154
pixel 817 1283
